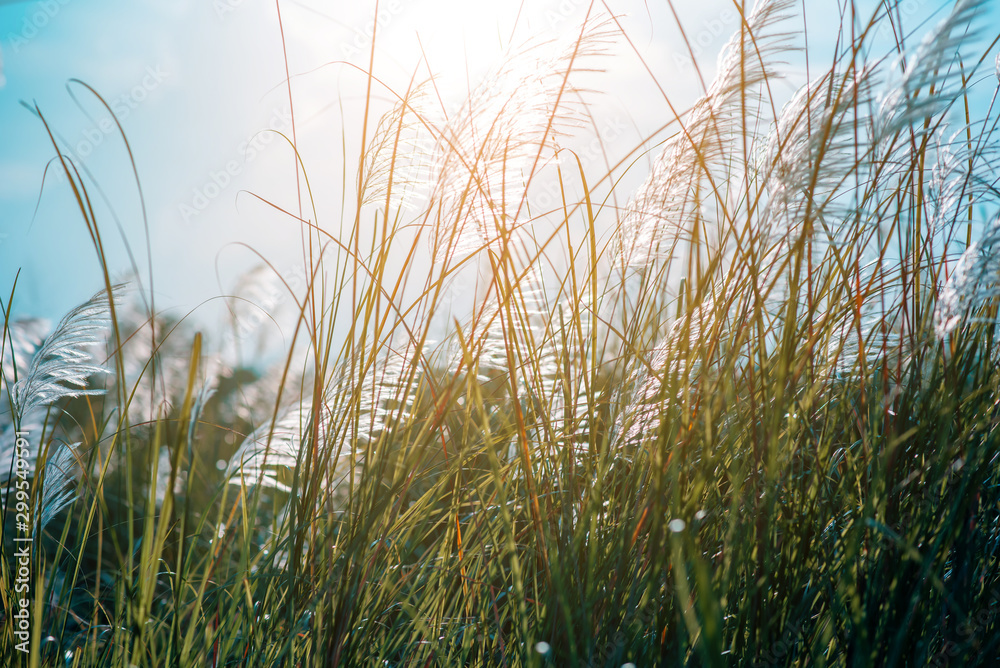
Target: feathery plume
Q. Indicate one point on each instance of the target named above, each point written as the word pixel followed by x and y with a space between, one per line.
pixel 58 489
pixel 156 371
pixel 61 366
pixel 377 401
pixel 354 412
pixel 696 163
pixel 959 177
pixel 396 159
pixel 930 82
pixel 811 153
pixel 974 282
pixel 31 423
pixel 264 309
pixel 21 339
pixel 271 448
pixel 487 151
pixel 675 362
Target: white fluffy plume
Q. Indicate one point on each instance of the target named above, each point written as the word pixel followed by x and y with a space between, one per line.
pixel 487 152
pixel 974 282
pixel 689 177
pixel 63 364
pixel 58 482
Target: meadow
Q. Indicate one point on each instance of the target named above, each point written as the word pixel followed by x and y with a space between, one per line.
pixel 745 415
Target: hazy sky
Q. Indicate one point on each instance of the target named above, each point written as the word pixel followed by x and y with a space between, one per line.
pixel 196 84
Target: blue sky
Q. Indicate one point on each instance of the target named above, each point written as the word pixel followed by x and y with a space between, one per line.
pixel 183 82
pixel 196 84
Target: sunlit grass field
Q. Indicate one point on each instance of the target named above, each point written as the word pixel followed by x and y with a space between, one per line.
pixel 745 415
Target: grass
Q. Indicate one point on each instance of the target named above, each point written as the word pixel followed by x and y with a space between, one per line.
pixel 755 424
